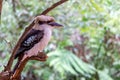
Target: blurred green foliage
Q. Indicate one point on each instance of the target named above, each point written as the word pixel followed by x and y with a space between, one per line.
pixel 87 48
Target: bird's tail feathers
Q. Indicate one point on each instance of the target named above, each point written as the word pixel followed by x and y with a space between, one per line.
pixel 19 52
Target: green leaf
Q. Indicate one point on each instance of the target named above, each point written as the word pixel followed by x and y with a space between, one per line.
pixel 104 76
pixel 68 62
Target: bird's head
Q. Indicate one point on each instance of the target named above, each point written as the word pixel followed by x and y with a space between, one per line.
pixel 47 20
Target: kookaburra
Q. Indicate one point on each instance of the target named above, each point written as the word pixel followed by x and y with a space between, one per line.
pixel 38 37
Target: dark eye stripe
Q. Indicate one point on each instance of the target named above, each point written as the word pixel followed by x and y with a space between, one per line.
pixel 49 21
pixel 43 22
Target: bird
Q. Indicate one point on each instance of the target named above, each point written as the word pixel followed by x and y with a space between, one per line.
pixel 38 37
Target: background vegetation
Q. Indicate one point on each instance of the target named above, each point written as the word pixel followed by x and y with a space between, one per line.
pixel 87 48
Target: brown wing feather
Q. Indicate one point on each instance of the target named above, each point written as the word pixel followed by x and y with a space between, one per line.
pixel 32 38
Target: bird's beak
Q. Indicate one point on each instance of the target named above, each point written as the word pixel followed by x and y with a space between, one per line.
pixel 54 24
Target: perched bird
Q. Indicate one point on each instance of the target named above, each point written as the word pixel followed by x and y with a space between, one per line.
pixel 38 37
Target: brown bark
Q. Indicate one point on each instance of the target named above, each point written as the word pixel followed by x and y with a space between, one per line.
pixel 4 75
pixel 40 57
pixel 1 5
pixel 0 8
pixel 53 6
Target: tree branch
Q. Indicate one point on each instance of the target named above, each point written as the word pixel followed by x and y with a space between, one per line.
pixel 40 57
pixel 10 62
pixel 0 8
pixel 53 6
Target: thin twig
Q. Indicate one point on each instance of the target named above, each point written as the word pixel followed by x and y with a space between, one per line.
pixel 53 6
pixel 0 9
pixel 1 5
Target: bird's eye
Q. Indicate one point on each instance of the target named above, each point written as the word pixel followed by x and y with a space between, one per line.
pixel 41 22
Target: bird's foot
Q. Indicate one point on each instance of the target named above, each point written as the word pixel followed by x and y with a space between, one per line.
pixel 42 56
